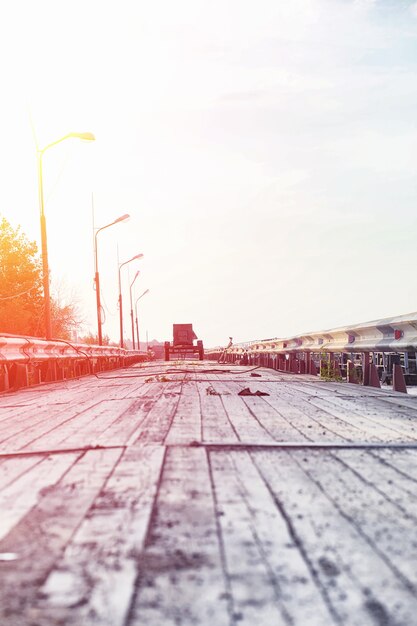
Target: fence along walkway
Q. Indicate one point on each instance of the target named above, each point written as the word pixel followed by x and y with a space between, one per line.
pixel 163 495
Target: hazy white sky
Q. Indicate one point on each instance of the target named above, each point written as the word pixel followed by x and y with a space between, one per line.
pixel 265 150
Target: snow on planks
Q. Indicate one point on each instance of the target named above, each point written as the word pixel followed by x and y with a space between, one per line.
pixel 159 496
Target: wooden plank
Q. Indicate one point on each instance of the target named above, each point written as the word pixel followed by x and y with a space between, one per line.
pixel 374 511
pixel 379 416
pixel 32 428
pixel 342 416
pixel 11 413
pixel 156 425
pixel 42 405
pixel 384 477
pixel 359 583
pixel 244 422
pixel 216 426
pixel 312 423
pixel 374 430
pixel 358 392
pixel 12 468
pixel 186 425
pixel 105 423
pixel 270 581
pixel 85 429
pixel 95 579
pixel 182 580
pixel 41 536
pixel 128 424
pixel 21 495
pixel 274 421
pixel 400 400
pixel 41 418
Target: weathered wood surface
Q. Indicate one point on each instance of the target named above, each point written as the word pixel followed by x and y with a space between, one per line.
pixel 159 496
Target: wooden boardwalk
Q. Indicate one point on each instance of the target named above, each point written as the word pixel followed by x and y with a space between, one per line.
pixel 159 496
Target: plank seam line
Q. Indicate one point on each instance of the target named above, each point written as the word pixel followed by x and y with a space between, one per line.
pixel 229 446
pixel 226 412
pixel 151 520
pixel 221 542
pixel 7 455
pixel 294 444
pixel 175 411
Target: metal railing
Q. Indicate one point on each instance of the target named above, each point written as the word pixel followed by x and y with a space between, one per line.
pixel 385 347
pixel 26 361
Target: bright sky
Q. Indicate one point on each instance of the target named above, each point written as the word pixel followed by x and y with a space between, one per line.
pixel 266 152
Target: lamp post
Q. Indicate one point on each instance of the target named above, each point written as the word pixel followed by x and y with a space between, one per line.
pixel 97 277
pixel 137 256
pixel 44 245
pixel 131 309
pixel 136 311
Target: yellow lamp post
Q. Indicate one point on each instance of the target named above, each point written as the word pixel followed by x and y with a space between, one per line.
pixel 44 245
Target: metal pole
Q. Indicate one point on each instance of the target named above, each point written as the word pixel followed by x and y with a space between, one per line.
pixel 44 246
pixel 133 329
pixel 97 281
pixel 137 327
pixel 131 310
pixel 136 311
pixel 97 277
pixel 120 310
pixel 137 256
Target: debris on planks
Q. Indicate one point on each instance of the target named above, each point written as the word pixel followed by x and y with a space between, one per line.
pixel 247 392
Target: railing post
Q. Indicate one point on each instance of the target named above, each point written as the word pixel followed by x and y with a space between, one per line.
pixel 365 368
pixel 373 376
pixel 398 380
pixel 351 373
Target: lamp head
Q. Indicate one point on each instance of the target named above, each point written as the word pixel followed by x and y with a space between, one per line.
pixel 84 136
pixel 143 294
pixel 126 216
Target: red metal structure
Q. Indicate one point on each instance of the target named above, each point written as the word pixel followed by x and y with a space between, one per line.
pixel 183 344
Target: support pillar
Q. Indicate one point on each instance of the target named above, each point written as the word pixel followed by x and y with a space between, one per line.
pixel 398 380
pixel 373 376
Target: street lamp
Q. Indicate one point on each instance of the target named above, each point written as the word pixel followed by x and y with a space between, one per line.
pixel 137 256
pixel 44 245
pixel 131 309
pixel 136 311
pixel 97 278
